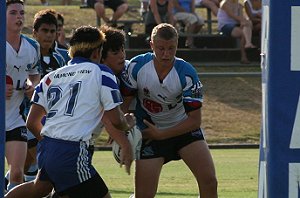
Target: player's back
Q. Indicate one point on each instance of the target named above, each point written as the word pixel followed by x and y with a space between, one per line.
pixel 73 99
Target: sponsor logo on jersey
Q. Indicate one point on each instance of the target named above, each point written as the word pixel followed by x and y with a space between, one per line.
pixel 146 92
pixel 48 81
pixel 17 68
pixel 125 78
pixel 197 90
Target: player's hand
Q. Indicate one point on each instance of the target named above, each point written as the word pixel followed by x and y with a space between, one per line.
pixel 152 132
pixel 131 120
pixel 29 89
pixel 9 87
pixel 126 157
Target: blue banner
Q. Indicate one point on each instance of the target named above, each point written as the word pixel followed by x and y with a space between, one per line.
pixel 279 174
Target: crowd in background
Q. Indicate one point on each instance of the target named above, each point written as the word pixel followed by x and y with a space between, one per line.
pixel 235 19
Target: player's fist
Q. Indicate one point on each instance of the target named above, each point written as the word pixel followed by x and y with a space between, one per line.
pixel 9 87
pixel 29 88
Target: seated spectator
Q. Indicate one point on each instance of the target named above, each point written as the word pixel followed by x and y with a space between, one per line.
pixel 160 11
pixel 231 22
pixel 213 5
pixel 118 6
pixel 254 13
pixel 144 8
pixel 185 13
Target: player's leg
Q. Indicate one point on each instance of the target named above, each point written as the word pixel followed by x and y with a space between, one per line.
pixel 147 173
pixel 36 188
pixel 199 160
pixel 94 187
pixel 31 167
pixel 15 153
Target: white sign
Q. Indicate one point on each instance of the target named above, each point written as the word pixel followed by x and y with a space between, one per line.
pixel 295 38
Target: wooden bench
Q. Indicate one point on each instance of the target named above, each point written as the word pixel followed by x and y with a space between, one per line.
pixel 135 18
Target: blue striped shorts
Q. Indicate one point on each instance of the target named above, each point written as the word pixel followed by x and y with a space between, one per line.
pixel 64 163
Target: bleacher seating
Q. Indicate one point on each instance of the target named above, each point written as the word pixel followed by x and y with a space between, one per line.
pixel 213 49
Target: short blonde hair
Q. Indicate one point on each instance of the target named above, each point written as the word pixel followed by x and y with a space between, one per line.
pixel 84 40
pixel 164 31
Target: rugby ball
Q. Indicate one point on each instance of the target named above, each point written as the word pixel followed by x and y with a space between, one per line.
pixel 135 139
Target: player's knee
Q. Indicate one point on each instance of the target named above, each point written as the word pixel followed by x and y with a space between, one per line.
pixel 16 174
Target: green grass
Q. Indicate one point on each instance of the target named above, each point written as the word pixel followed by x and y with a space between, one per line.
pixel 237 172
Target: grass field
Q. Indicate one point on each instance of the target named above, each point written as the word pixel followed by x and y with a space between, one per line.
pixel 237 172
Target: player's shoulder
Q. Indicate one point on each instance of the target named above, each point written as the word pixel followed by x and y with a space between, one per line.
pixel 142 58
pixel 30 41
pixel 184 67
pixel 139 61
pixel 63 53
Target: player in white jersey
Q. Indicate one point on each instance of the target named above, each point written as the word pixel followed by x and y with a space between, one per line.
pixel 22 68
pixel 74 98
pixel 168 110
pixel 44 31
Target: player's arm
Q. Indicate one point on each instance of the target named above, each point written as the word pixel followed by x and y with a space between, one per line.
pixel 33 122
pixel 32 81
pixel 192 122
pixel 121 138
pixel 119 120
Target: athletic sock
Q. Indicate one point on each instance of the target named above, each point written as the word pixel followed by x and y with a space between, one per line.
pixel 11 185
pixel 31 173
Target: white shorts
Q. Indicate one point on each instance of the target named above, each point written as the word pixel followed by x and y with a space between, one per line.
pixel 189 18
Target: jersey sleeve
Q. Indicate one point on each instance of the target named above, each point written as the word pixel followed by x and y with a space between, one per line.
pixel 110 95
pixel 39 95
pixel 36 66
pixel 192 91
pixel 128 84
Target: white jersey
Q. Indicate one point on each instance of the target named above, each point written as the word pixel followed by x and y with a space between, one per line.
pixel 75 98
pixel 164 103
pixel 19 65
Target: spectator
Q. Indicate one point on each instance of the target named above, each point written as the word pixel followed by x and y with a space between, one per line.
pixel 119 7
pixel 231 22
pixel 160 11
pixel 254 13
pixel 168 112
pixel 144 8
pixel 213 5
pixel 185 13
pixel 22 72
